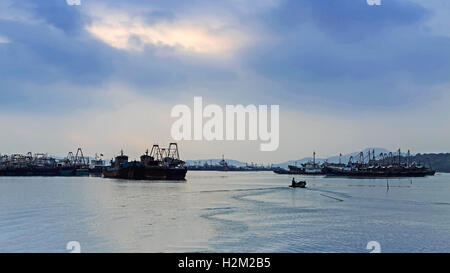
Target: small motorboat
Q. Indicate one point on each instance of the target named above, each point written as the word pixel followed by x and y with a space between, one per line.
pixel 299 184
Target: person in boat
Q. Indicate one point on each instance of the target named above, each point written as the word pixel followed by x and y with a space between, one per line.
pixel 293 181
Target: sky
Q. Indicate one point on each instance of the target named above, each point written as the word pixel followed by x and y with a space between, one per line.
pixel 105 75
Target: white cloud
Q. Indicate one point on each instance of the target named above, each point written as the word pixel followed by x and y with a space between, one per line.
pixel 132 33
pixel 11 10
pixel 4 40
pixel 438 21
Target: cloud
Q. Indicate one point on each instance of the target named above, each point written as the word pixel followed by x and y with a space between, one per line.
pixel 44 68
pixel 344 71
pixel 346 20
pixel 133 33
pixel 4 40
pixel 437 19
pixel 346 54
pixel 56 13
pixel 352 20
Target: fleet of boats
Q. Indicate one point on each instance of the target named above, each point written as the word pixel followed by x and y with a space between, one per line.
pixel 160 164
pixel 45 165
pixel 370 165
pixel 224 166
pixel 165 164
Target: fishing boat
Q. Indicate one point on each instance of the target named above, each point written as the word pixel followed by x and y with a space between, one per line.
pixel 299 184
pixel 309 168
pixel 96 165
pixel 281 171
pixel 74 165
pixel 159 164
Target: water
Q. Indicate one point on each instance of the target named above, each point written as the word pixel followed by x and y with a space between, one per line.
pixel 225 212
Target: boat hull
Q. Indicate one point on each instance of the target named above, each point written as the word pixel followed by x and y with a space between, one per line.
pixel 44 172
pixel 379 173
pixel 29 172
pixel 296 170
pixel 96 171
pixel 139 172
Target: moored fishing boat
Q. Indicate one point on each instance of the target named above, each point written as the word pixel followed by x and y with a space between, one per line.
pixel 386 165
pixel 41 164
pixel 308 168
pixel 389 171
pixel 96 165
pixel 160 164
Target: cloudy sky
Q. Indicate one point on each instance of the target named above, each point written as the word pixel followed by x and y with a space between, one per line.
pixel 104 75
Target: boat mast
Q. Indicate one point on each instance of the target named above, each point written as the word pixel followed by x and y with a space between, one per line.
pixel 314 159
pixel 409 158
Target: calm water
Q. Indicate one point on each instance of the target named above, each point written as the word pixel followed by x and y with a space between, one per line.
pixel 225 212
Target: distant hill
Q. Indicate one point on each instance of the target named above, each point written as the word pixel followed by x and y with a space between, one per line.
pixel 285 164
pixel 439 162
